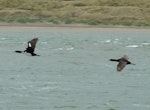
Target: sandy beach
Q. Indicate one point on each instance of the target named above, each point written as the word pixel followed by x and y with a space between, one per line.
pixel 67 26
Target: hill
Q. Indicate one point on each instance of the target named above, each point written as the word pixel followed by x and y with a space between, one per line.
pixel 92 12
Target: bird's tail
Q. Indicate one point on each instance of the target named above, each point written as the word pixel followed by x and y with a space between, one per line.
pixel 18 51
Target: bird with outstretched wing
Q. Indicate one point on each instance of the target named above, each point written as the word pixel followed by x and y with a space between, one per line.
pixel 31 47
pixel 123 61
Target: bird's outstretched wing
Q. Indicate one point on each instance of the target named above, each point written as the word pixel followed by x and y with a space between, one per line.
pixel 31 45
pixel 125 57
pixel 121 65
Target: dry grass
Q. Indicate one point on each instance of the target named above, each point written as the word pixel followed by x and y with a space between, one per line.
pixel 93 12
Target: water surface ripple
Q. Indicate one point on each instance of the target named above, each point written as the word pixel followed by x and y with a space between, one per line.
pixel 74 71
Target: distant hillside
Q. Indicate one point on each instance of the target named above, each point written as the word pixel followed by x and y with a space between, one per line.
pixel 92 12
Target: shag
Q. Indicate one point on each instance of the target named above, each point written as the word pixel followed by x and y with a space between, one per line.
pixel 30 48
pixel 123 61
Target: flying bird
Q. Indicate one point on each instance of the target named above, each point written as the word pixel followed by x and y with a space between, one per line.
pixel 123 61
pixel 30 48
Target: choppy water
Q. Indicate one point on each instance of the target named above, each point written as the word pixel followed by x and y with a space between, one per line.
pixel 74 71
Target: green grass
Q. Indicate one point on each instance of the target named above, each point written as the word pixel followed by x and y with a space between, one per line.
pixel 91 12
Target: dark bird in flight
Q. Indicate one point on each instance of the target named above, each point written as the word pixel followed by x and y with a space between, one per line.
pixel 123 61
pixel 31 47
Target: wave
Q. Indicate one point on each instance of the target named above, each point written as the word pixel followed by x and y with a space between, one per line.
pixel 142 105
pixel 3 38
pixel 70 48
pixel 67 48
pixel 106 41
pixel 110 40
pixel 145 43
pixel 132 46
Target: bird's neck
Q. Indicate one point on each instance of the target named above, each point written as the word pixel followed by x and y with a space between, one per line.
pixel 117 60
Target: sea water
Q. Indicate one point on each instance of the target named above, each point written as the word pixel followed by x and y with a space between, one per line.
pixel 73 71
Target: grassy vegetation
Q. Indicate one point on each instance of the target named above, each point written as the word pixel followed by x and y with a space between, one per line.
pixel 92 12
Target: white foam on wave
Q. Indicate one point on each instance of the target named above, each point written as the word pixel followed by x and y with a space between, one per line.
pixel 106 41
pixel 67 48
pixel 70 48
pixel 3 38
pixel 140 105
pixel 132 46
pixel 146 43
pixel 47 88
pixel 60 48
pixel 109 40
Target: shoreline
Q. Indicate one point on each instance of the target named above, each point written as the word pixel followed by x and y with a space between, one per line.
pixel 69 26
